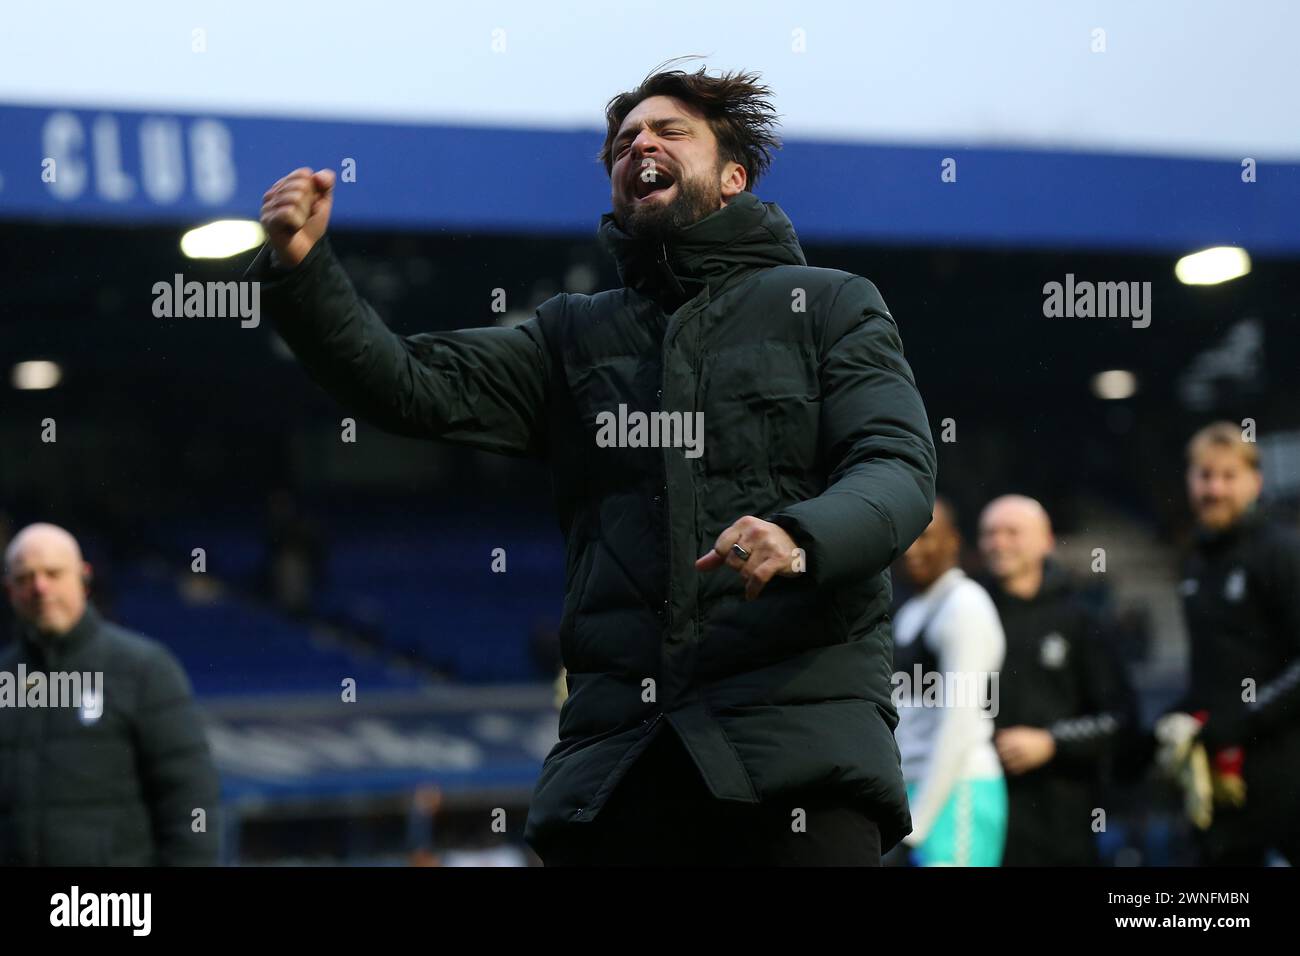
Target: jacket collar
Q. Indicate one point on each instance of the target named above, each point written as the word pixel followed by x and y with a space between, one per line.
pixel 1212 540
pixel 1055 584
pixel 747 233
pixel 62 644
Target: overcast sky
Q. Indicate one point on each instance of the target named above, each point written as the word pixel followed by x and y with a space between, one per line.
pixel 1203 77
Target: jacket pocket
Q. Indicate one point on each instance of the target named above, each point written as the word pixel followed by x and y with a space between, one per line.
pixel 577 577
pixel 132 842
pixel 75 836
pixel 838 619
pixel 793 430
pixel 734 408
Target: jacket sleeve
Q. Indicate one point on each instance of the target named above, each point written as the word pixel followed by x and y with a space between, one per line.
pixel 1277 698
pixel 876 440
pixel 175 765
pixel 1108 702
pixel 482 387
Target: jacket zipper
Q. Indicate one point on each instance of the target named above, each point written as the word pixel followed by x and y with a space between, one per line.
pixel 668 269
pixel 668 514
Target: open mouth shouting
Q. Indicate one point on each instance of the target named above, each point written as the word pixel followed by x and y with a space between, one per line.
pixel 650 182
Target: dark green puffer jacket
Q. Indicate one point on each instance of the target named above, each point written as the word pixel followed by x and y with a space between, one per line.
pixel 811 420
pixel 112 784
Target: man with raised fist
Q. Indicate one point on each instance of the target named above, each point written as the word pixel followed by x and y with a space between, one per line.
pixel 713 716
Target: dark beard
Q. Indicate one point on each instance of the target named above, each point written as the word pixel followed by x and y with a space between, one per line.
pixel 661 222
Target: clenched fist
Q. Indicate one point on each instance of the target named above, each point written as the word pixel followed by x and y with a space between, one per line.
pixel 295 212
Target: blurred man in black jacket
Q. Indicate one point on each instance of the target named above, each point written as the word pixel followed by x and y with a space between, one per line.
pixel 1241 597
pixel 121 777
pixel 1064 699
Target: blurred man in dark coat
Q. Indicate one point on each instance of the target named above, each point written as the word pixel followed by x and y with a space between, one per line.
pixel 118 776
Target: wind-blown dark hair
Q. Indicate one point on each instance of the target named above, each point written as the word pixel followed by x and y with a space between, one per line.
pixel 737 106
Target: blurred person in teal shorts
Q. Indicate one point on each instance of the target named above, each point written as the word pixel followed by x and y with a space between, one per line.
pixel 948 648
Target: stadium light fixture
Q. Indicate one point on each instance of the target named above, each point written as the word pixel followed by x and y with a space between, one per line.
pixel 222 239
pixel 1212 266
pixel 1117 383
pixel 30 376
